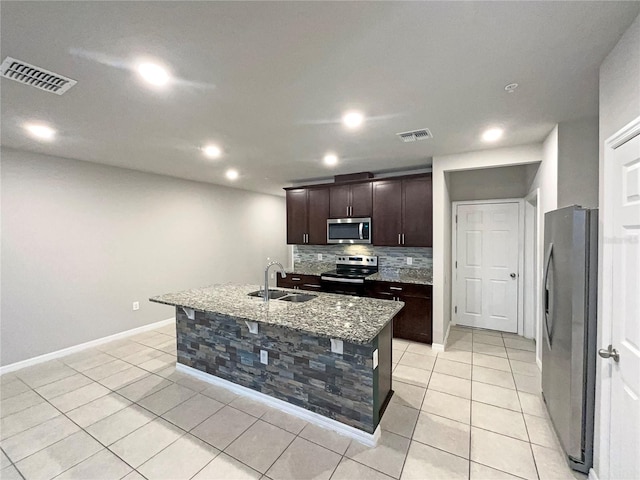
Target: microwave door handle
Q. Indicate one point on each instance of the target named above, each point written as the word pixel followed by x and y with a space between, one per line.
pixel 360 226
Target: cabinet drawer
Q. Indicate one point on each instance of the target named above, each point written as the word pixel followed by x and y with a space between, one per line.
pixel 303 282
pixel 399 289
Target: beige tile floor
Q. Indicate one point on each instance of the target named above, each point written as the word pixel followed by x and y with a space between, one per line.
pixel 121 411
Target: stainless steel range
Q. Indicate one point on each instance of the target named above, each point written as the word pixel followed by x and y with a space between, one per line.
pixel 349 275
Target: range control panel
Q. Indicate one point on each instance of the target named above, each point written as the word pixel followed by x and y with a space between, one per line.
pixel 357 260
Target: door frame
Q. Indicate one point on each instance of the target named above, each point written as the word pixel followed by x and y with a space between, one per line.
pixel 605 306
pixel 533 252
pixel 454 254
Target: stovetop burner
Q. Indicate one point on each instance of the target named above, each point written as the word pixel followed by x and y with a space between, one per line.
pixel 354 268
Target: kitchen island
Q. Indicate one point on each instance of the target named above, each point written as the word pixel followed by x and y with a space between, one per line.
pixel 330 356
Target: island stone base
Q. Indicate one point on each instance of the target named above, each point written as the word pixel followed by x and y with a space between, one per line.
pixel 301 368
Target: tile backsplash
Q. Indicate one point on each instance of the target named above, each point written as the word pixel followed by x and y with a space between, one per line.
pixel 388 257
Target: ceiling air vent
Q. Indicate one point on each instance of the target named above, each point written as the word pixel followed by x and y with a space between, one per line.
pixel 28 74
pixel 421 134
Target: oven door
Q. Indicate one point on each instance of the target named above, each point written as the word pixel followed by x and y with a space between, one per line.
pixel 349 230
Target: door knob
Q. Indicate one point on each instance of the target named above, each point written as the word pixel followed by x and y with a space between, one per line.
pixel 609 352
pixel 512 275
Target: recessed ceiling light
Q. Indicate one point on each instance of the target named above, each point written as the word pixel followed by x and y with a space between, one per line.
pixel 232 174
pixel 212 151
pixel 511 87
pixel 352 119
pixel 492 134
pixel 330 159
pixel 154 74
pixel 40 131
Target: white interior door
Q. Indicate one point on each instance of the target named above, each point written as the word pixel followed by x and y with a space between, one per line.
pixel 622 191
pixel 487 255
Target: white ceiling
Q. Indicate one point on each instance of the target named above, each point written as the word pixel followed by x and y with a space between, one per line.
pixel 269 81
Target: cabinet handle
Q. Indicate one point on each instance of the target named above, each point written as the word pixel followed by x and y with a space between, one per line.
pixel 312 285
pixel 347 210
pixel 403 238
pixel 399 235
pixel 395 288
pixel 295 279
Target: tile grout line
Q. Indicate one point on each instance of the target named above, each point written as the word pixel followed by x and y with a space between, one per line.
pixel 12 463
pixel 535 464
pixel 404 462
pixel 58 441
pixel 470 414
pixel 72 421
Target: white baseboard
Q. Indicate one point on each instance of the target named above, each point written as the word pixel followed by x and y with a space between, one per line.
pixel 369 439
pixel 12 367
pixel 592 474
pixel 439 347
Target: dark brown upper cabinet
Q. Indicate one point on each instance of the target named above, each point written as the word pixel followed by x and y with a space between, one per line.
pixel 353 200
pixel 307 213
pixel 402 212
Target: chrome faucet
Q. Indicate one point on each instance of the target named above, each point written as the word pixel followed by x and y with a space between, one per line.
pixel 266 278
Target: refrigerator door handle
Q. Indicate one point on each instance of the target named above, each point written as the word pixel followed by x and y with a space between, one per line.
pixel 546 305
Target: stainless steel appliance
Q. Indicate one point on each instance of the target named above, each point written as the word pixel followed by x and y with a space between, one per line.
pixel 349 275
pixel 349 230
pixel 569 329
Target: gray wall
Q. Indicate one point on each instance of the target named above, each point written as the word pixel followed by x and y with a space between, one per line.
pixel 81 242
pixel 620 84
pixel 489 183
pixel 578 162
pixel 619 105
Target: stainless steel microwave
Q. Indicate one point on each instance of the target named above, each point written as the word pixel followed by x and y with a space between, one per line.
pixel 349 230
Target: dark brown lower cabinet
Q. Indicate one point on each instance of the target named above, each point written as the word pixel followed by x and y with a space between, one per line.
pixel 414 321
pixel 302 282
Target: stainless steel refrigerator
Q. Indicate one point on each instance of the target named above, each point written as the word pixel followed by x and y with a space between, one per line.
pixel 569 329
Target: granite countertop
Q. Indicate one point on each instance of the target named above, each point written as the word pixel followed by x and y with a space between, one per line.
pixel 352 319
pixel 423 276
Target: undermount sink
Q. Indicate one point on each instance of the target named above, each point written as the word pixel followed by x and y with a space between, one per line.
pixel 273 294
pixel 298 297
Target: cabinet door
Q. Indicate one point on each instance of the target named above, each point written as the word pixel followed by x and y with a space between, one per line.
pixel 318 212
pixel 361 199
pixel 296 216
pixel 418 212
pixel 414 321
pixel 339 201
pixel 387 212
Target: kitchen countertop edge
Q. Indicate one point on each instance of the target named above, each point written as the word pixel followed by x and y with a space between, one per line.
pixel 255 312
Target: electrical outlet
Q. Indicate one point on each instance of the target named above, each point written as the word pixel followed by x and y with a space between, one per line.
pixel 319 256
pixel 264 357
pixel 136 305
pixel 409 261
pixel 337 346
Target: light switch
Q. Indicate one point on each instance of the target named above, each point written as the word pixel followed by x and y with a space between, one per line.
pixel 264 357
pixel 337 346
